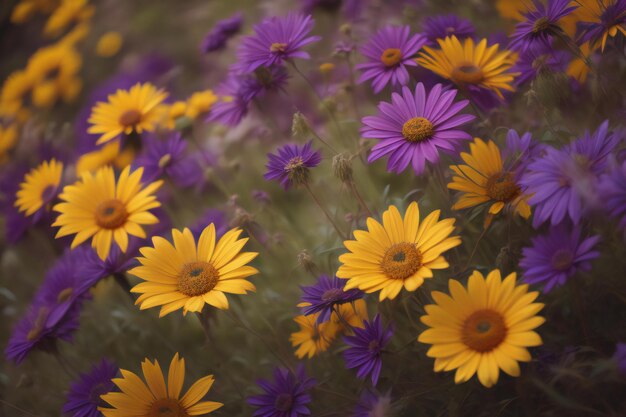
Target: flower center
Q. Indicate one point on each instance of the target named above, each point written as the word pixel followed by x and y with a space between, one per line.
pixel 278 47
pixel 332 294
pixel 391 57
pixel 283 402
pixel 484 330
pixel 111 214
pixel 296 170
pixel 167 407
pixel 197 278
pixel 165 160
pixel 562 259
pixel 38 325
pixel 96 392
pixel 501 187
pixel 374 346
pixel 130 118
pixel 401 261
pixel 467 74
pixel 65 295
pixel 417 129
pixel 541 25
pixel 48 193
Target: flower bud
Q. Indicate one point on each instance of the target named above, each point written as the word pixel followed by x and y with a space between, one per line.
pixel 300 125
pixel 342 167
pixel 305 260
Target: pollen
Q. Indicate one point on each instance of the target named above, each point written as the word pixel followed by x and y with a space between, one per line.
pixel 401 261
pixel 197 278
pixel 417 129
pixel 391 57
pixel 111 214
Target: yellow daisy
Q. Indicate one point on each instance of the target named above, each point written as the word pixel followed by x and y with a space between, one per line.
pixel 313 338
pixel 14 91
pixel 126 111
pixel 39 187
pixel 399 253
pixel 350 315
pixel 484 179
pixel 469 64
pixel 154 398
pixel 578 68
pixel 109 154
pixel 24 10
pixel 8 137
pixel 484 328
pixel 109 44
pixel 187 276
pixel 200 103
pixel 68 12
pixel 96 206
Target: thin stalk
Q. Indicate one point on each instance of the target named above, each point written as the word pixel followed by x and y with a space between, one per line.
pixel 357 195
pixel 469 260
pixel 122 280
pixel 326 213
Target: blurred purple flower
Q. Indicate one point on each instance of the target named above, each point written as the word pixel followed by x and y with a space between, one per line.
pixel 215 216
pixel 557 255
pixel 291 163
pixel 620 357
pixel 540 24
pixel 440 27
pixel 365 348
pixel 612 190
pixel 613 18
pixel 223 30
pixel 83 398
pixel 388 53
pixel 325 295
pixel 286 396
pixel 519 152
pixel 373 405
pixel 537 59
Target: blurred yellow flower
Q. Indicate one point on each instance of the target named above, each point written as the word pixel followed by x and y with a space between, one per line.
pixel 14 92
pixel 109 44
pixel 69 12
pixel 109 154
pixel 200 103
pixel 24 10
pixel 312 338
pixel 39 187
pixel 8 137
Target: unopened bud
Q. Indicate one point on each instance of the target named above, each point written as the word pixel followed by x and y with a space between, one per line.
pixel 346 29
pixel 300 125
pixel 305 260
pixel 342 166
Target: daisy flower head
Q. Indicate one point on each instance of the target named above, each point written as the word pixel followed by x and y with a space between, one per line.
pixel 83 398
pixel 484 328
pixel 471 66
pixel 325 296
pixel 286 396
pixel 540 24
pixel 389 52
pixel 99 207
pixel 609 23
pixel 484 179
pixel 275 40
pixel 291 164
pixel 612 190
pixel 126 112
pixel 372 405
pixel 223 30
pixel 40 187
pixel 8 138
pixel 399 253
pixel 442 26
pixel 540 59
pixel 314 336
pixel 366 347
pixel 153 397
pixel 556 256
pixel 562 180
pixel 415 126
pixel 190 274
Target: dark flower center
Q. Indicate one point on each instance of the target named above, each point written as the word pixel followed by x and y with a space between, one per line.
pixel 374 346
pixel 278 47
pixel 401 261
pixel 95 393
pixel 467 74
pixel 417 129
pixel 65 295
pixel 283 402
pixel 332 294
pixel 48 193
pixel 484 330
pixel 130 118
pixel 391 57
pixel 562 259
pixel 167 407
pixel 197 278
pixel 541 25
pixel 502 188
pixel 165 160
pixel 297 171
pixel 38 325
pixel 111 214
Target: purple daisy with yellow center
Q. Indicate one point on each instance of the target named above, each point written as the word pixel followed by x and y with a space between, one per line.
pixel 414 127
pixel 366 347
pixel 223 30
pixel 291 164
pixel 325 295
pixel 286 396
pixel 440 27
pixel 540 24
pixel 389 52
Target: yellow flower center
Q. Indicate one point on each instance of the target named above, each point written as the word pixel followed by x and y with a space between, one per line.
pixel 483 331
pixel 130 118
pixel 297 172
pixel 278 47
pixel 417 129
pixel 197 278
pixel 541 25
pixel 502 188
pixel 165 160
pixel 391 57
pixel 65 295
pixel 283 402
pixel 467 74
pixel 38 325
pixel 401 261
pixel 167 407
pixel 562 259
pixel 111 214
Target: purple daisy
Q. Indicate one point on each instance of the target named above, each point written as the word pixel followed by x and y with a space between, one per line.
pixel 414 127
pixel 440 27
pixel 275 40
pixel 365 348
pixel 83 398
pixel 388 53
pixel 373 405
pixel 558 255
pixel 612 190
pixel 519 152
pixel 540 24
pixel 215 216
pixel 620 357
pixel 563 179
pixel 286 396
pixel 169 158
pixel 325 295
pixel 538 59
pixel 291 164
pixel 223 30
pixel 611 21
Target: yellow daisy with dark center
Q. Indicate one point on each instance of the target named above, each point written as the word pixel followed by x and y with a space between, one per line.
pixel 484 180
pixel 97 206
pixel 155 398
pixel 188 276
pixel 401 252
pixel 313 338
pixel 484 328
pixel 39 187
pixel 126 111
pixel 471 64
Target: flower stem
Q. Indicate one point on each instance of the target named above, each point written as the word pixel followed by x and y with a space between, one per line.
pixel 357 195
pixel 122 280
pixel 326 213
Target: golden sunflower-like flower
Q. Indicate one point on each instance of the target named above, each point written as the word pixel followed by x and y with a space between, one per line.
pixel 96 206
pixel 349 315
pixel 109 44
pixel 69 12
pixel 109 154
pixel 484 179
pixel 126 111
pixel 470 64
pixel 8 137
pixel 483 329
pixel 313 338
pixel 153 398
pixel 14 91
pixel 200 103
pixel 187 276
pixel 39 187
pixel 399 253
